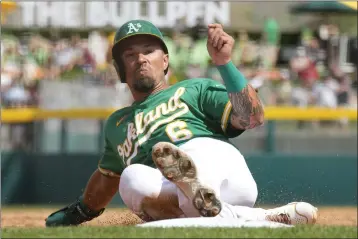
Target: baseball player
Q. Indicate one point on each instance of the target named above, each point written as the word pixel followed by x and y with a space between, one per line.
pixel 168 154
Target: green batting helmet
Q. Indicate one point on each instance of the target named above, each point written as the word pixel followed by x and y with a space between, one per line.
pixel 129 29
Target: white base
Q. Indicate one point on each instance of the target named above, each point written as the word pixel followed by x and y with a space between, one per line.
pixel 213 222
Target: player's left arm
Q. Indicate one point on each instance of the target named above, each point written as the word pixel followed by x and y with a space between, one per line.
pixel 247 109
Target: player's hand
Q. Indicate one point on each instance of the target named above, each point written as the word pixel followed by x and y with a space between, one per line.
pixel 72 215
pixel 219 44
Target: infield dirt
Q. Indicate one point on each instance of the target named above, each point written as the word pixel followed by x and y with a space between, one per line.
pixel 35 217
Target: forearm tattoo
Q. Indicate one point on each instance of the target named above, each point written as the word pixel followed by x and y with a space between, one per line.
pixel 247 110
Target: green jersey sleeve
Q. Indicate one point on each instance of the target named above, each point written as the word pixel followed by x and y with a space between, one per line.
pixel 110 163
pixel 217 107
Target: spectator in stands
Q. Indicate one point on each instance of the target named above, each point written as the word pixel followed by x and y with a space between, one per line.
pixel 304 64
pixel 98 46
pixel 242 41
pixel 16 96
pixel 269 43
pixel 87 61
pixel 324 92
pixel 11 62
pixel 199 30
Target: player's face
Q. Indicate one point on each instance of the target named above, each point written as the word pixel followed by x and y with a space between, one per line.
pixel 144 62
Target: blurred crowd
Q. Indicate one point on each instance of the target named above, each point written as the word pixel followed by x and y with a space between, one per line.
pixel 311 77
pixel 26 61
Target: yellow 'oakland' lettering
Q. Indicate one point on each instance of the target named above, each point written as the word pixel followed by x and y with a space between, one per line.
pixel 138 122
pixel 142 122
pixel 149 117
pixel 163 109
pixel 125 149
pixel 160 110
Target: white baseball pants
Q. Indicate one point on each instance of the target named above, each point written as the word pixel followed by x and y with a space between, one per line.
pixel 220 166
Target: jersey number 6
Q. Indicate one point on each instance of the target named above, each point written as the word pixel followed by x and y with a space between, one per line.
pixel 178 131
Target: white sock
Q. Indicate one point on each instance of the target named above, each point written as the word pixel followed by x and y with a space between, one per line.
pixel 242 212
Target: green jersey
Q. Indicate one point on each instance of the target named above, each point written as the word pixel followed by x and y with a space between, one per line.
pixel 189 109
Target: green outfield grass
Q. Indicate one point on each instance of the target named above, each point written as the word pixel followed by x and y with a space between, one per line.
pixel 133 232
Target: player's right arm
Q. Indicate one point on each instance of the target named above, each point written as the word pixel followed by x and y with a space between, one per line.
pixel 100 189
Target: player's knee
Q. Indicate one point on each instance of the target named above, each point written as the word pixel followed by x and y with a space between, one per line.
pixel 240 195
pixel 247 198
pixel 251 196
pixel 139 181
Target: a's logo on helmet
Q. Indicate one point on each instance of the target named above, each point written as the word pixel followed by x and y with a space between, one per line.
pixel 133 27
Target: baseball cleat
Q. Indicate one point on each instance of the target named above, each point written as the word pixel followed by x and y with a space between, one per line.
pixel 293 213
pixel 179 168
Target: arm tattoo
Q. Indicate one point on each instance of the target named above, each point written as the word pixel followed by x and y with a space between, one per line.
pixel 247 110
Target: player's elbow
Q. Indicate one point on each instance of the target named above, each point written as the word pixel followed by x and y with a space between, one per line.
pixel 260 118
pixel 257 120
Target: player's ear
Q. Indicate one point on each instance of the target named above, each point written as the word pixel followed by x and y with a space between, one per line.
pixel 165 61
